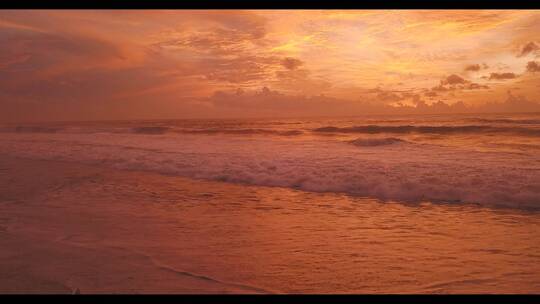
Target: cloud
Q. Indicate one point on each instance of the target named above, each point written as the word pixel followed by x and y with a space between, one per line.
pixel 35 51
pixel 265 102
pixel 431 94
pixel 441 88
pixel 53 66
pixel 214 41
pixel 502 76
pixel 299 80
pixel 242 69
pixel 146 61
pixel 472 67
pixel 453 79
pixel 392 97
pixel 511 104
pixel 475 86
pixel 528 48
pixel 454 83
pixel 533 67
pixel 240 21
pixel 475 67
pixel 291 63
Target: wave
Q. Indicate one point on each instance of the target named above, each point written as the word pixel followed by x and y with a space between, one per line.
pixel 444 130
pixel 30 129
pixel 327 130
pixel 150 130
pixel 241 131
pixel 374 142
pixel 412 173
pixel 508 121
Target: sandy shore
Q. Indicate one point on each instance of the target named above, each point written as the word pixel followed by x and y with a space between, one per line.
pixel 65 226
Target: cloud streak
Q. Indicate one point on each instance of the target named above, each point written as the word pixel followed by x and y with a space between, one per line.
pixel 502 76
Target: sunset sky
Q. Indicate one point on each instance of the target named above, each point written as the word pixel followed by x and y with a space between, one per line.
pixel 72 65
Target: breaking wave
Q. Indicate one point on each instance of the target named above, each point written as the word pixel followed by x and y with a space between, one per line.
pixel 374 142
pixel 150 130
pixel 412 173
pixel 379 160
pixel 444 130
pixel 30 129
pixel 508 121
pixel 241 131
pixel 328 130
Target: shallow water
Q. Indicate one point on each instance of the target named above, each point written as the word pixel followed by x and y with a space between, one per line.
pixel 151 233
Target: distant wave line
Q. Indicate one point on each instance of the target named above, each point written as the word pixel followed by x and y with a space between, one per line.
pixel 404 129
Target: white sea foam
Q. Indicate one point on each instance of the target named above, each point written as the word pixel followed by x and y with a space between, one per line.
pixel 385 170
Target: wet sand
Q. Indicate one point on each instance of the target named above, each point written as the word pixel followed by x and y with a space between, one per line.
pixel 66 226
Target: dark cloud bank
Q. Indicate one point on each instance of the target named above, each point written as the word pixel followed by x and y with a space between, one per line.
pixel 276 103
pixel 245 104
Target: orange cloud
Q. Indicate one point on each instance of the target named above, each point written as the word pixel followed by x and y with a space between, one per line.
pixel 502 76
pixel 291 63
pixel 475 67
pixel 528 48
pixel 533 67
pixel 453 79
pixel 99 60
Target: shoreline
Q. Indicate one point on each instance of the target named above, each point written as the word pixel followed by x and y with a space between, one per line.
pixel 74 260
pixel 105 167
pixel 67 226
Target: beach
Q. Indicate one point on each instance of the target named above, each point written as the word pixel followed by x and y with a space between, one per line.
pixel 252 151
pixel 67 227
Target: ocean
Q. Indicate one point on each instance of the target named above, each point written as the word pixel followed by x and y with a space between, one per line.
pixel 492 160
pixel 395 204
